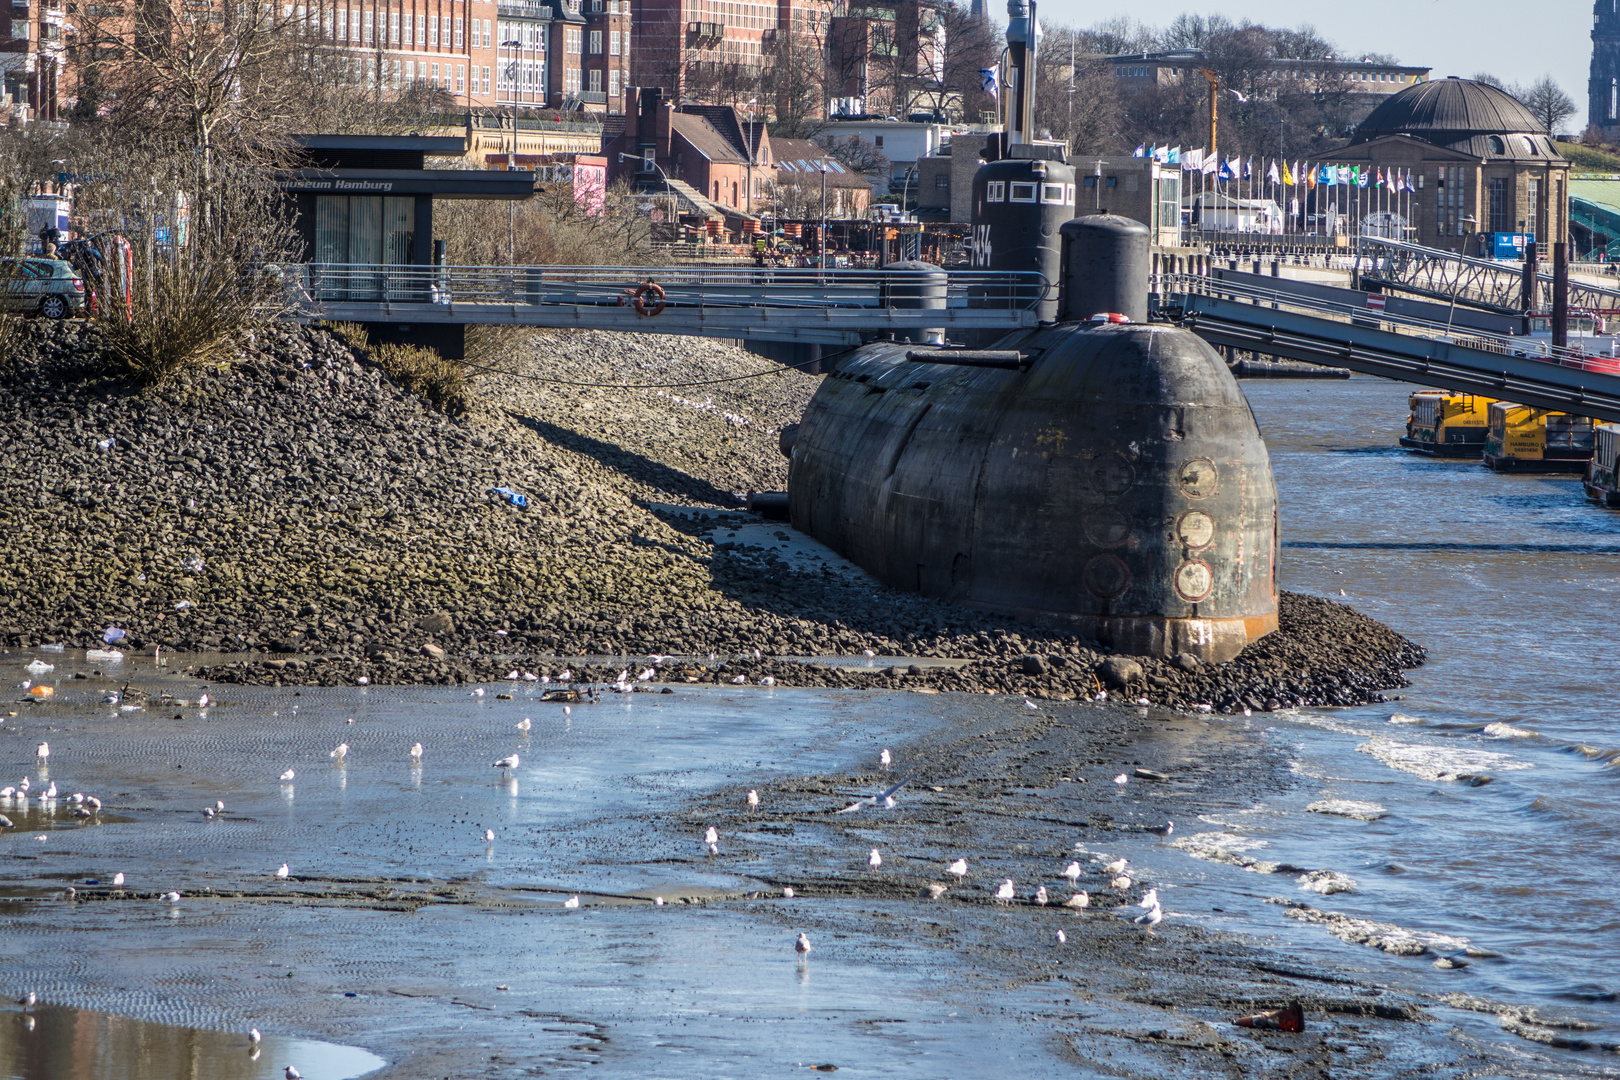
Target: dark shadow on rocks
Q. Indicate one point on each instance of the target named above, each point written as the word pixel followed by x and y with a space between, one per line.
pixel 628 463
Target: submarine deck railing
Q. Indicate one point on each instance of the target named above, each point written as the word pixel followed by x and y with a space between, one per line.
pixel 838 307
pixel 1526 370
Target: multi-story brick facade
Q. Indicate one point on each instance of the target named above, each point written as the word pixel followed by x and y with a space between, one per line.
pixel 33 35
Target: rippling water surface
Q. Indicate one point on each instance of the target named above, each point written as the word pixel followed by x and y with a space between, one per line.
pixel 1511 583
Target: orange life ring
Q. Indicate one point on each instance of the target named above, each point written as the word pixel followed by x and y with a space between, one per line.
pixel 639 298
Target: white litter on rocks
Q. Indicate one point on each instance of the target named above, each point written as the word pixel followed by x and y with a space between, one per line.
pixel 707 406
pixel 1361 811
pixel 1440 763
pixel 111 656
pixel 1395 940
pixel 1327 882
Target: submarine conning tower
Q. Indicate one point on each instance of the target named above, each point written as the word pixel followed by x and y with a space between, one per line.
pixel 1099 471
pixel 1106 477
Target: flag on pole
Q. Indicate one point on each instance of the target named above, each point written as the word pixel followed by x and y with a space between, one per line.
pixel 1230 168
pixel 1287 176
pixel 1273 175
pixel 1327 176
pixel 1342 175
pixel 1161 154
pixel 1361 177
pixel 1175 155
pixel 1310 177
pixel 1211 164
pixel 991 81
pixel 1248 169
pixel 1192 160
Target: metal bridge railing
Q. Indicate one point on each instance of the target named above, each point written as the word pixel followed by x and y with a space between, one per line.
pixel 1169 285
pixel 684 287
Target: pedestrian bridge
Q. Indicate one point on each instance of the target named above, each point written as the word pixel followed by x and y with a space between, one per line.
pixel 807 306
pixel 1358 333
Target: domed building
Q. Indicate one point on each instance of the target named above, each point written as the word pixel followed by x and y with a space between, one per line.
pixel 1481 164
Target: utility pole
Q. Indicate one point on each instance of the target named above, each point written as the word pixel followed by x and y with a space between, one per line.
pixel 1214 81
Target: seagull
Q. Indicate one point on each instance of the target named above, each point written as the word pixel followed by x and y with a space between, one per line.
pixel 1040 896
pixel 7 823
pixel 1149 900
pixel 282 871
pixel 111 699
pixel 340 753
pixel 416 753
pixel 50 792
pixel 1028 704
pixel 170 897
pixel 203 701
pixel 801 946
pixel 1122 779
pixel 884 757
pixel 92 802
pixel 489 836
pixel 1081 899
pixel 1006 891
pixel 1121 883
pixel 208 812
pixel 884 799
pixel 506 764
pixel 118 879
pixel 293 1074
pixel 933 890
pixel 753 797
pixel 22 787
pixel 1116 867
pixel 478 692
pixel 27 1000
pixel 1161 830
pixel 571 902
pixel 1062 937
pixel 524 725
pixel 1072 872
pixel 287 777
pixel 959 868
pixel 220 806
pixel 787 892
pixel 1151 918
pixel 646 674
pixel 43 750
pixel 711 840
pixel 875 859
pixel 566 676
pixel 254 1036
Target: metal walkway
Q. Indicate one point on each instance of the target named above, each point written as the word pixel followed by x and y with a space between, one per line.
pixel 1374 342
pixel 827 307
pixel 1442 275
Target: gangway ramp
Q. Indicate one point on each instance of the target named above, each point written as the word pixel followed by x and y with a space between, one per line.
pixel 1372 342
pixel 811 306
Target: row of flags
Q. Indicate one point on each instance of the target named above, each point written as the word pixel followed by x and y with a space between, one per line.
pixel 1298 174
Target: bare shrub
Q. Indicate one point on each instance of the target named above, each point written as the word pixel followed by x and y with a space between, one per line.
pixel 493 349
pixel 206 244
pixel 551 229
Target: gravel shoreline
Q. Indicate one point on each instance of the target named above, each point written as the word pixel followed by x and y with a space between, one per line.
pixel 299 508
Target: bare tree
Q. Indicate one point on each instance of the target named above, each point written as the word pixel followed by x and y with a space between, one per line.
pixel 858 155
pixel 970 45
pixel 1548 103
pixel 1076 98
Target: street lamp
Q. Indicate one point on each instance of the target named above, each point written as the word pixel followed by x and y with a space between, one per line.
pixel 669 191
pixel 748 144
pixel 511 85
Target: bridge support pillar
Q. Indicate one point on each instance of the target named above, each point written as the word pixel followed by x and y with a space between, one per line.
pixel 804 356
pixel 448 339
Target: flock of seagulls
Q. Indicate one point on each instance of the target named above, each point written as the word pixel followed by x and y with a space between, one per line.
pixel 1117 871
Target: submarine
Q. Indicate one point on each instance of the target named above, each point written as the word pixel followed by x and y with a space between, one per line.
pixel 1099 473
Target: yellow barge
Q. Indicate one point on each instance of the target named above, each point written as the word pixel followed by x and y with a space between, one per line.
pixel 1603 471
pixel 1519 438
pixel 1446 424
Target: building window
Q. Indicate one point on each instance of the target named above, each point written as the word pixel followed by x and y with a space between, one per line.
pixel 596 43
pixel 613 83
pixel 614 44
pixel 878 139
pixel 942 180
pixel 459 37
pixel 995 191
pixel 367 38
pixel 410 71
pixel 435 74
pixel 596 80
pixel 1497 188
pixel 1449 201
pixel 433 33
pixel 571 82
pixel 574 44
pixel 446 27
pixel 461 78
pixel 486 34
pixel 393 28
pixel 1533 198
pixel 1614 98
pixel 1021 192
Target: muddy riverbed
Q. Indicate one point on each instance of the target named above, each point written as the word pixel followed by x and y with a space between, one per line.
pixel 400 930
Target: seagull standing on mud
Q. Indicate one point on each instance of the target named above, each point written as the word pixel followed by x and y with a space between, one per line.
pixel 1081 899
pixel 885 759
pixel 416 753
pixel 524 725
pixel 505 764
pixel 875 859
pixel 959 868
pixel 43 751
pixel 802 945
pixel 753 797
pixel 711 840
pixel 340 753
pixel 884 799
pixel 287 777
pixel 1006 892
pixel 1072 872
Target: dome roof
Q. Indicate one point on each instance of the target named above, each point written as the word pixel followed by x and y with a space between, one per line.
pixel 1460 114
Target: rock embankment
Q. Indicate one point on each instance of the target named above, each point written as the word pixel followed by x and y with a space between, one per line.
pixel 299 505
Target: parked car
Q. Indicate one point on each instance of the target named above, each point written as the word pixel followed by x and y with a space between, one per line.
pixel 49 286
